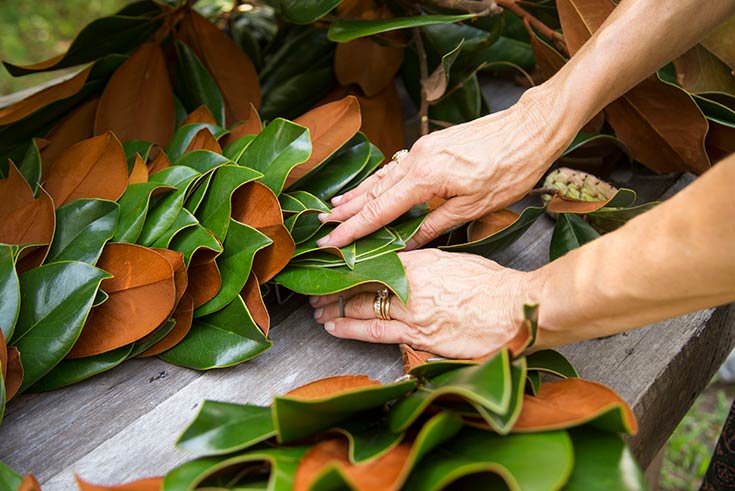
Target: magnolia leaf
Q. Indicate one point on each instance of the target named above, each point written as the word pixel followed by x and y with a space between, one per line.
pixel 502 423
pixel 193 239
pixel 298 94
pixel 78 125
pixel 30 167
pixel 139 173
pixel 548 59
pixel 141 293
pixel 368 439
pixel 55 302
pixel 84 226
pixel 534 382
pixel 460 105
pixel 184 220
pixel 134 209
pixel 202 160
pixel 306 202
pixel 331 386
pixel 69 372
pixel 330 126
pixel 137 103
pixel 196 86
pixel 698 70
pixel 436 85
pixel 570 232
pixel 249 127
pixel 14 374
pixel 253 299
pixel 159 334
pixel 151 484
pixel 196 196
pixel 204 140
pixel 553 362
pixel 715 110
pixel 281 146
pixel 623 198
pixel 222 428
pixel 201 114
pixel 587 147
pixel 159 163
pixel 23 219
pixel 234 150
pixel 93 168
pixel 306 12
pixel 373 163
pixel 235 263
pixel 229 65
pixel 343 30
pixel 8 478
pixel 385 269
pixel 185 134
pixel 9 292
pixel 297 417
pixel 2 403
pixel 227 337
pixel 136 148
pixel 721 41
pixel 487 385
pixel 183 317
pixel 609 219
pixel 495 460
pixel 574 402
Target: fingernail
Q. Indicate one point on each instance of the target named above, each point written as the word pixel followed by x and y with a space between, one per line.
pixel 313 300
pixel 323 216
pixel 318 313
pixel 329 326
pixel 337 199
pixel 323 241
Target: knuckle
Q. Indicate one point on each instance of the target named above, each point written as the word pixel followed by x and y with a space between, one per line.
pixel 376 329
pixel 361 304
pixel 422 144
pixel 372 212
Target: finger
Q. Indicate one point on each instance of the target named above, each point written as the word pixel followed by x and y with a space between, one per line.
pixel 322 300
pixel 373 330
pixel 376 213
pixel 360 307
pixel 436 223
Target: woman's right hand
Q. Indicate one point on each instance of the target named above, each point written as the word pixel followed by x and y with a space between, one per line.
pixel 477 167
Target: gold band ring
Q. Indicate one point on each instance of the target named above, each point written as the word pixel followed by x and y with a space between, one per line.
pixel 381 304
pixel 399 155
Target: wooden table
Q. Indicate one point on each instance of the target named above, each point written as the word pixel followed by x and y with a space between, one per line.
pixel 122 425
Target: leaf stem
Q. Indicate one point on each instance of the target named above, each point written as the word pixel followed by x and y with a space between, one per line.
pixel 556 38
pixel 424 70
pixel 479 7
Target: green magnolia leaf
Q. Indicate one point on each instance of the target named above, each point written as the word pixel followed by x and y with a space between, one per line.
pixel 715 110
pixel 234 150
pixel 301 51
pixel 83 227
pixel 303 226
pixel 376 158
pixel 588 147
pixel 553 362
pixel 198 192
pixel 386 269
pixel 30 167
pixel 121 34
pixel 223 427
pixel 191 239
pixel 184 220
pixel 460 103
pixel 369 438
pixel 501 239
pixel 294 97
pixel 297 418
pixel 9 292
pixel 570 232
pixel 227 337
pixel 487 385
pixel 437 83
pixel 299 201
pixel 216 207
pixel 202 160
pixel 281 146
pixel 338 171
pixel 195 85
pixel 2 407
pixel 306 11
pixel 134 205
pixel 136 147
pixel 55 302
pixel 100 298
pixel 142 345
pixel 434 368
pixel 538 462
pixel 8 478
pixel 608 219
pixel 502 423
pixel 235 263
pixel 75 370
pixel 343 30
pixel 185 134
pixel 602 461
pixel 534 382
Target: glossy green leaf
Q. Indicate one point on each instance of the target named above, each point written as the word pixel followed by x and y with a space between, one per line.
pixel 715 111
pixel 438 82
pixel 185 134
pixel 184 220
pixel 69 372
pixel 191 239
pixel 100 298
pixel 9 292
pixel 227 337
pixel 553 362
pixel 134 205
pixel 602 461
pixel 537 462
pixel 223 427
pixel 202 160
pixel 503 422
pixel 280 147
pixel 216 208
pixel 8 478
pixel 406 226
pixel 386 269
pixel 608 219
pixel 234 150
pixel 196 193
pixel 487 385
pixel 503 238
pixel 301 51
pixel 343 30
pixel 299 201
pixel 506 49
pixel 434 368
pixel 303 226
pixel 2 407
pixel 369 437
pixel 534 382
pixel 55 302
pixel 376 158
pixel 459 104
pixel 378 241
pixel 195 85
pixel 136 147
pixel 83 227
pixel 570 232
pixel 294 97
pixel 297 418
pixel 584 139
pixel 306 11
pixel 30 167
pixel 142 345
pixel 235 263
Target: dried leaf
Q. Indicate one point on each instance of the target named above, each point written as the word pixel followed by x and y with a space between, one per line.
pixel 204 140
pixel 14 373
pixel 253 299
pixel 183 315
pixel 140 171
pixel 331 386
pixel 24 220
pixel 698 70
pixel 142 294
pixel 77 126
pixel 29 484
pixel 138 103
pixel 93 168
pixel 40 99
pixel 229 65
pixel 491 223
pixel 330 126
pixel 202 114
pixel 151 484
pixel 720 140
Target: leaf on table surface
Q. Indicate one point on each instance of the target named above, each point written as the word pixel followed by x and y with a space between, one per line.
pixel 83 228
pixel 552 362
pixel 196 87
pixel 570 232
pixel 140 171
pixel 230 67
pixel 142 293
pixel 137 103
pixel 573 402
pixel 331 386
pixel 75 127
pixel 330 126
pixel 183 315
pixel 343 30
pixel 659 122
pixel 204 140
pixel 23 219
pixel 150 484
pixel 9 478
pixel 698 70
pixel 93 168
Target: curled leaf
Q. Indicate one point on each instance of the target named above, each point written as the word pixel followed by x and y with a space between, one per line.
pixel 140 171
pixel 183 315
pixel 254 302
pixel 151 484
pixel 23 219
pixel 13 374
pixel 204 140
pixel 331 386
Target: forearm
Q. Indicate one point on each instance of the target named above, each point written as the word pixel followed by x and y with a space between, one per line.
pixel 677 258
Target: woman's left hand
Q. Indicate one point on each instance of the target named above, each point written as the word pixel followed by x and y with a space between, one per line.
pixel 460 306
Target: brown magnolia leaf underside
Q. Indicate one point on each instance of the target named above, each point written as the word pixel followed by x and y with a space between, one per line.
pixel 330 126
pixel 159 163
pixel 205 279
pixel 150 484
pixel 382 120
pixel 138 102
pixel 183 315
pixel 176 260
pixel 14 375
pixel 142 294
pixel 23 219
pixel 202 114
pixel 93 168
pixel 140 171
pixel 491 223
pixel 721 42
pixel 77 126
pixel 204 140
pixel 3 356
pixel 331 386
pixel 29 484
pixel 368 64
pixel 253 299
pixel 230 67
pixel 720 141
pixel 698 70
pixel 250 126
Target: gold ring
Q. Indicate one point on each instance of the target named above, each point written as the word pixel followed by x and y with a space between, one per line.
pixel 381 304
pixel 400 154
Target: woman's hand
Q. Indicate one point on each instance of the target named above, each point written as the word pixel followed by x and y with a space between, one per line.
pixel 477 167
pixel 460 306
